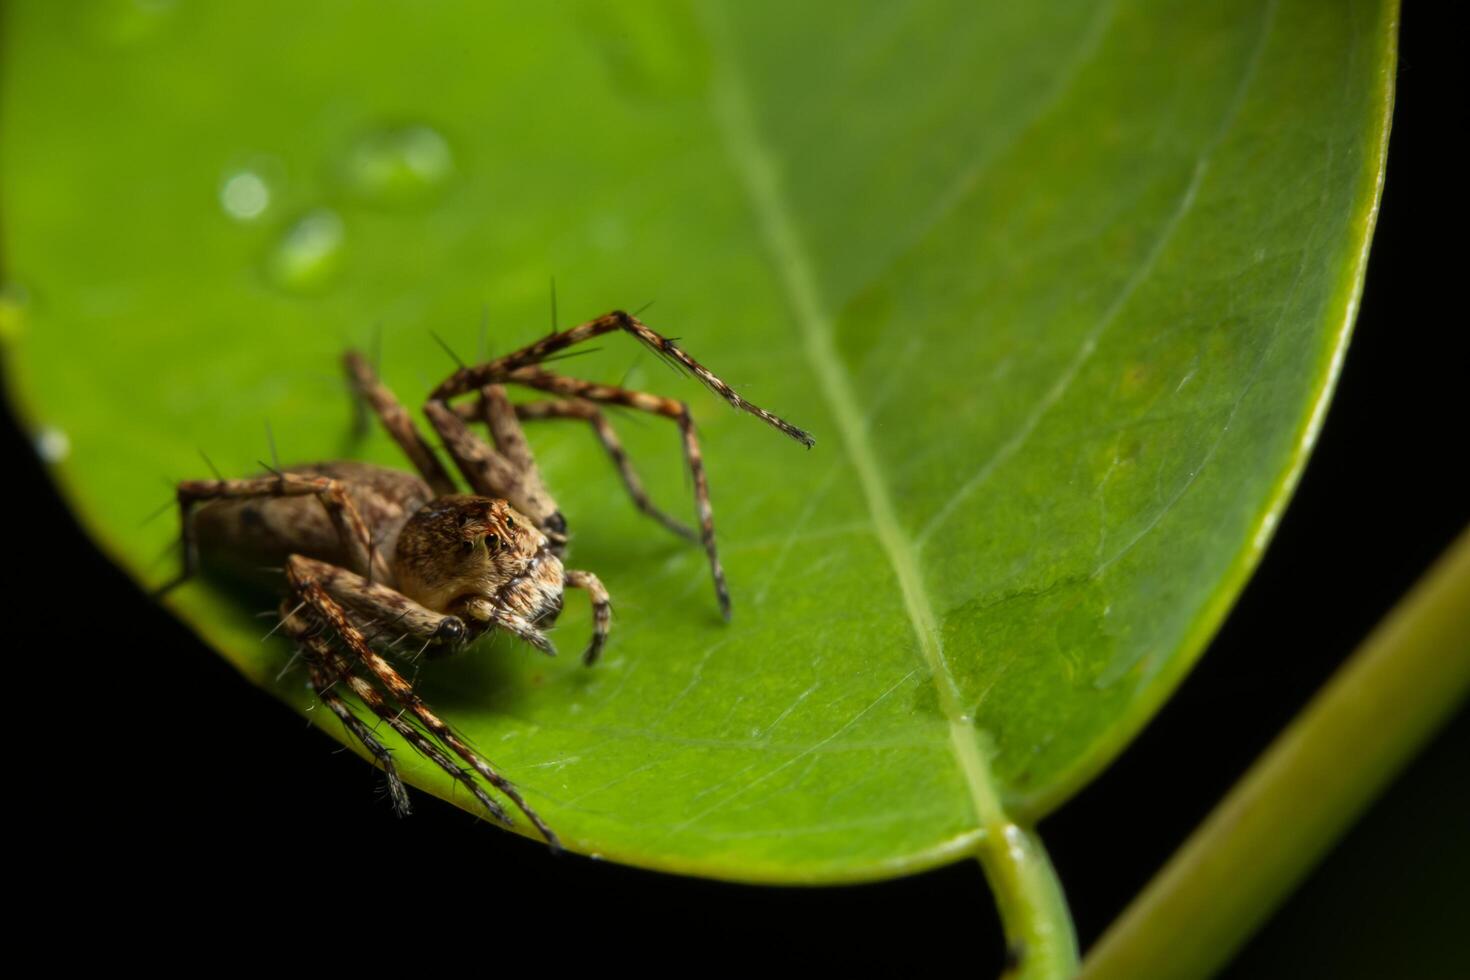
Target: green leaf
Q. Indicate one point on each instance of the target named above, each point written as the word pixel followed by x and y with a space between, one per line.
pixel 1061 291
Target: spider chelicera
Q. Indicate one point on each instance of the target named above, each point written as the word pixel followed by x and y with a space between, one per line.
pixel 372 554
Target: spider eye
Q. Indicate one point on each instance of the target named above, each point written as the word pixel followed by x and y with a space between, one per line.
pixel 492 542
pixel 469 546
pixel 510 521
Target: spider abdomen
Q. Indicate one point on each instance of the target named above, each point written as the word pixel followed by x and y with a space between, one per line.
pixel 262 531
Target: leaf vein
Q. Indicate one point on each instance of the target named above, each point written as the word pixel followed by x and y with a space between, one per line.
pixel 751 161
pixel 1089 345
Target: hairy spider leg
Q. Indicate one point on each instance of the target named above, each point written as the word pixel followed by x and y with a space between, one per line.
pixel 398 423
pixel 393 607
pixel 642 401
pixel 308 589
pixel 327 667
pixel 470 378
pixel 518 368
pixel 601 611
pixel 501 418
pixel 316 653
pixel 576 409
pixel 491 473
pixel 508 471
pixel 379 602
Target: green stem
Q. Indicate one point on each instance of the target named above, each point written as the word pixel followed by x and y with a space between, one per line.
pixel 1382 706
pixel 1038 925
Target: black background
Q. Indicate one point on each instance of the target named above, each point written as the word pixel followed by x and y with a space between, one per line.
pixel 261 835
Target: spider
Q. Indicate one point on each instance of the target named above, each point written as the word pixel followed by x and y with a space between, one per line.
pixel 371 552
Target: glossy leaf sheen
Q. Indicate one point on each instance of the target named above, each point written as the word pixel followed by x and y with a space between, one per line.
pixel 1061 292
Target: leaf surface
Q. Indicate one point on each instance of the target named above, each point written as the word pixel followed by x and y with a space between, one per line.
pixel 1061 292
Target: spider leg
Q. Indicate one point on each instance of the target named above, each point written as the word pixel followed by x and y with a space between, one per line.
pixel 331 666
pixel 318 654
pixel 373 599
pixel 657 405
pixel 601 611
pixel 470 378
pixel 357 543
pixel 308 589
pixel 572 408
pixel 519 368
pixel 397 422
pixel 321 683
pixel 503 421
pixel 500 417
pixel 490 472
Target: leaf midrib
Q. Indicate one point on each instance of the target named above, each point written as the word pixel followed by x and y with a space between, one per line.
pixel 752 162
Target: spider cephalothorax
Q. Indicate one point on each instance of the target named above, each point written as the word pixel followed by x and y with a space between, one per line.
pixel 373 556
pixel 472 556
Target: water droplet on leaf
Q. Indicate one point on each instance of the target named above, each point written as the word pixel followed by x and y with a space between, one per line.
pixel 309 252
pixel 244 195
pixel 399 165
pixel 52 445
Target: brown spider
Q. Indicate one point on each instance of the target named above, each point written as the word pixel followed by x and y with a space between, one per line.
pixel 388 553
